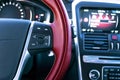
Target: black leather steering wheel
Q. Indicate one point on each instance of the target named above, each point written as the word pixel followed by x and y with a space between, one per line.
pixel 16 37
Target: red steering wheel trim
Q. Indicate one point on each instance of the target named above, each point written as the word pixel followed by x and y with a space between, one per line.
pixel 62 39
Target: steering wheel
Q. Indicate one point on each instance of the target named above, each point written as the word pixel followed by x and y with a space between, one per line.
pixel 17 39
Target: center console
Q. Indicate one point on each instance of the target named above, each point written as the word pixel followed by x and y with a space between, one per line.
pixel 100 29
pixel 98 35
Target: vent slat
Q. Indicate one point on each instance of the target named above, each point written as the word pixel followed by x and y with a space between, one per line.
pixel 96 39
pixel 93 42
pixel 95 36
pixel 96 42
pixel 96 45
pixel 96 48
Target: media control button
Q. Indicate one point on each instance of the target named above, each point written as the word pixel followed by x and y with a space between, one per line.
pixel 111 73
pixel 41 38
pixel 94 74
pixel 116 31
pixel 114 37
pixel 84 30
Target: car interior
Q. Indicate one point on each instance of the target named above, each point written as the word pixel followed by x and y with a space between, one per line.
pixel 59 40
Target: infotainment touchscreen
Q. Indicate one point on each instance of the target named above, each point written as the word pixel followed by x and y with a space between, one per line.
pixel 104 20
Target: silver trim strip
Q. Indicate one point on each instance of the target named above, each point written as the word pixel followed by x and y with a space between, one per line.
pixel 47 18
pixel 74 4
pixel 101 59
pixel 25 55
pixel 76 39
pixel 31 15
pixel 78 57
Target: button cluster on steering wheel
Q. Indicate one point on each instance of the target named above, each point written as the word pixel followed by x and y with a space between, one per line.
pixel 41 38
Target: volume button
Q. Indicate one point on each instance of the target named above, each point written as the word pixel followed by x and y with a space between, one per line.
pixel 94 74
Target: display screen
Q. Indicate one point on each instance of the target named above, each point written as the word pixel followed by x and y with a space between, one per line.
pixel 104 20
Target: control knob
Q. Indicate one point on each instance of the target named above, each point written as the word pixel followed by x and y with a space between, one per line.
pixel 94 74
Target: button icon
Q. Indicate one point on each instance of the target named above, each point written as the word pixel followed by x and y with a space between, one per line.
pixel 94 75
pixel 114 37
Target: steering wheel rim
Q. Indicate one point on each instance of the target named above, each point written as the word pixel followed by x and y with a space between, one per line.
pixel 61 39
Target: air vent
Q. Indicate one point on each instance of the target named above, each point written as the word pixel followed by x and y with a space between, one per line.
pixel 96 42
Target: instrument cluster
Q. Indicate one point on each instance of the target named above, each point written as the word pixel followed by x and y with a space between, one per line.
pixel 25 9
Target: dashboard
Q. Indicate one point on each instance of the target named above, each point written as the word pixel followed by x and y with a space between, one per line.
pixel 97 26
pixel 33 10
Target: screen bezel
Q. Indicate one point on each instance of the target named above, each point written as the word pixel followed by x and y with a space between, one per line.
pixel 87 4
pixel 109 29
